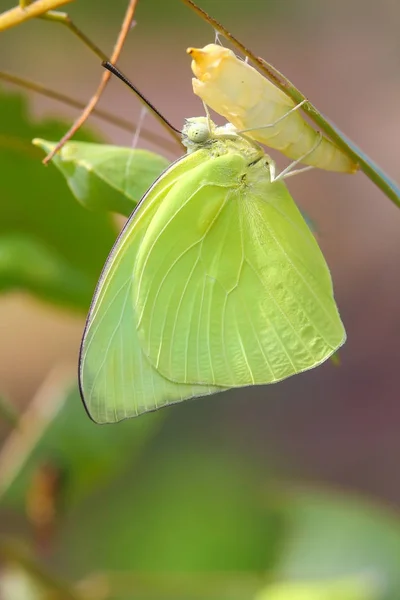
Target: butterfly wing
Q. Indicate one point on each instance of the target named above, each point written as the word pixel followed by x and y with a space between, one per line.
pixel 116 379
pixel 230 286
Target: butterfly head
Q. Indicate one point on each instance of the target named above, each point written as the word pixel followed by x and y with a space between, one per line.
pixel 197 132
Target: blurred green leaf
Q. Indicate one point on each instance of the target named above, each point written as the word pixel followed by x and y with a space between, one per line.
pixel 190 508
pixel 40 220
pixel 195 509
pixel 28 264
pixel 56 432
pixel 356 588
pixel 106 178
pixel 337 535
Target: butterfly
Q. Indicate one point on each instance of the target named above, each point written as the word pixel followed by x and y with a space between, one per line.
pixel 215 282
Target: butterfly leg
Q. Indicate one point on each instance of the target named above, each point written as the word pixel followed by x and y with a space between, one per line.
pixel 207 115
pixel 289 169
pixel 289 112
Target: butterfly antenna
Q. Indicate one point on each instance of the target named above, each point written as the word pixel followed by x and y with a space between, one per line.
pixel 115 71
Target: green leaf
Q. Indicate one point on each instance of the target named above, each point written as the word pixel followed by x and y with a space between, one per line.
pixel 106 178
pixel 338 535
pixel 190 508
pixel 39 218
pixel 355 588
pixel 28 264
pixel 56 432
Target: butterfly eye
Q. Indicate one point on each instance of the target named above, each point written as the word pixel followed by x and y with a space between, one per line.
pixel 198 133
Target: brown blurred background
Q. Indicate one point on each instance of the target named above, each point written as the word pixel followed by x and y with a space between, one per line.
pixel 339 425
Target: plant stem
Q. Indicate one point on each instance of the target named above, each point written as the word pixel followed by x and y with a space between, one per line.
pixel 22 13
pixel 125 28
pixel 64 19
pixel 101 114
pixel 126 25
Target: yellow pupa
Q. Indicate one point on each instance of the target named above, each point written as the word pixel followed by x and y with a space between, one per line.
pixel 249 101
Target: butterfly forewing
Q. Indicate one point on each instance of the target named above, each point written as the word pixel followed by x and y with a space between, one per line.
pixel 117 380
pixel 230 286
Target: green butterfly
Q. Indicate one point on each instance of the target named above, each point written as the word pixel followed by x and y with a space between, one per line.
pixel 215 282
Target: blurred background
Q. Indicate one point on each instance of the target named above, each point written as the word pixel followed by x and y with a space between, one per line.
pixel 334 427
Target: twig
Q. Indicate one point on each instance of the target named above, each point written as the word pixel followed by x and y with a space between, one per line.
pixel 98 112
pixel 373 172
pixel 175 133
pixel 126 25
pixel 19 14
pixel 64 19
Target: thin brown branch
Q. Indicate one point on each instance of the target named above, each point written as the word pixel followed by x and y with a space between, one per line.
pixel 19 14
pixel 273 74
pixel 64 19
pixel 126 25
pixel 97 112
